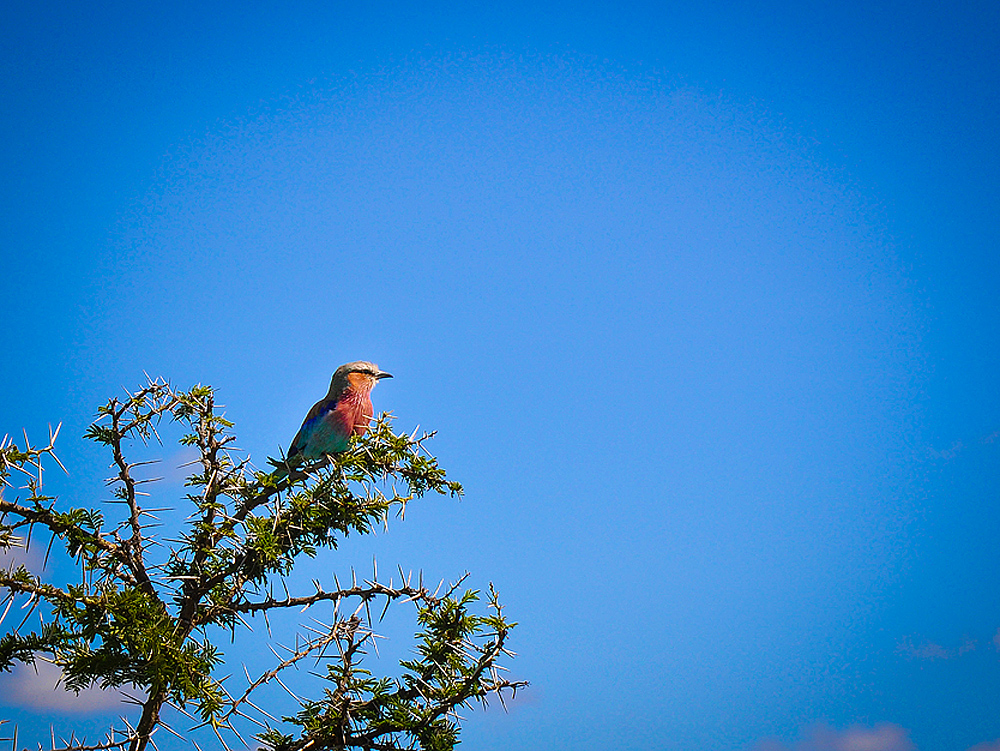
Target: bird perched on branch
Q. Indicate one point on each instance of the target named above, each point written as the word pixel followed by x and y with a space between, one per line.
pixel 343 412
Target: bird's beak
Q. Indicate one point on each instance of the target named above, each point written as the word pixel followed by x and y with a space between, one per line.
pixel 380 375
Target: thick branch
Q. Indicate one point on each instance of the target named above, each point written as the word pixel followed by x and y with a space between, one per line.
pixel 50 519
pixel 374 589
pixel 131 548
pixel 35 587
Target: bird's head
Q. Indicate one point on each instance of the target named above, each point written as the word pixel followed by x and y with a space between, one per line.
pixel 357 376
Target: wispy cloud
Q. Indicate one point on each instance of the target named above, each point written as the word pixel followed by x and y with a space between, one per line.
pixel 947 454
pixel 179 465
pixel 39 688
pixel 882 737
pixel 988 746
pixel 928 650
pixel 13 557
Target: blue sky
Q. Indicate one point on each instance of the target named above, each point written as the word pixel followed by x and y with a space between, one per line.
pixel 701 299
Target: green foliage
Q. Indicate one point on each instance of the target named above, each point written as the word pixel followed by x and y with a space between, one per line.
pixel 457 663
pixel 152 624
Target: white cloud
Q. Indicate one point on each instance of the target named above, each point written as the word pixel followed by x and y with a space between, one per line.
pixel 883 737
pixel 40 688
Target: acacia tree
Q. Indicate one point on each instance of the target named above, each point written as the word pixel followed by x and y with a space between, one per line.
pixel 148 613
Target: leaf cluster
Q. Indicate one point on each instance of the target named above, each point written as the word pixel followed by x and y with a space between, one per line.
pixel 456 664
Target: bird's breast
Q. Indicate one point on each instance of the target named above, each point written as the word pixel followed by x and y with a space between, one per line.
pixel 355 412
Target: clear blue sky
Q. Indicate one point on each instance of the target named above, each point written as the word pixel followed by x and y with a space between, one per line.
pixel 701 298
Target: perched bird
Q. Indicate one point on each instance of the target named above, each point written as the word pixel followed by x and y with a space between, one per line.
pixel 343 412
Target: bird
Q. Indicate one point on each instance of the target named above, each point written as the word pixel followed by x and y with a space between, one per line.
pixel 344 411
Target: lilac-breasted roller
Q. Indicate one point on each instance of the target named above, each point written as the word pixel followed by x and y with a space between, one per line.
pixel 343 412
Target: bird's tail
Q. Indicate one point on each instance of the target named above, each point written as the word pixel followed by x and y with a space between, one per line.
pixel 284 466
